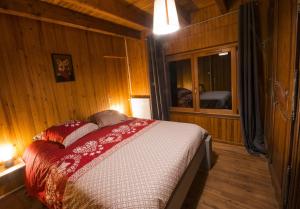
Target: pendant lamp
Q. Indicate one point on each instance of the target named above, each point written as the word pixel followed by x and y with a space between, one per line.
pixel 165 18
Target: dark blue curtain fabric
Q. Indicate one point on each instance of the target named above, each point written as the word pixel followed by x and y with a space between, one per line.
pixel 249 98
pixel 157 76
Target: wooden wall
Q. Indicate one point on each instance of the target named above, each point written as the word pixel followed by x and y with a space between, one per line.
pixel 212 10
pixel 214 31
pixel 31 100
pixel 217 31
pixel 280 74
pixel 224 129
pixel 138 66
pixel 294 191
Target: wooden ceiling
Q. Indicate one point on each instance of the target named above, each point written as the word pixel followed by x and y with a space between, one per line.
pixel 136 14
pixel 188 5
pixel 127 17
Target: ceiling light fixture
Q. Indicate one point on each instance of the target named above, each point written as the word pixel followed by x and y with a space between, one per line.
pixel 223 53
pixel 165 18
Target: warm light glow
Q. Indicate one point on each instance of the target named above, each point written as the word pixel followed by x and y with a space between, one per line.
pixel 7 152
pixel 118 107
pixel 165 18
pixel 223 53
pixel 140 108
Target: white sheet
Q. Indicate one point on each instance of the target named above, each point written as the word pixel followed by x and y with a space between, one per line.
pixel 140 175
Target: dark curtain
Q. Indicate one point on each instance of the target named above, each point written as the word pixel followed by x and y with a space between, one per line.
pixel 157 75
pixel 248 67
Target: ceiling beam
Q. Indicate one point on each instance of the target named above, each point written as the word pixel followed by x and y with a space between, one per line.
pixel 118 11
pixel 183 16
pixel 37 10
pixel 221 5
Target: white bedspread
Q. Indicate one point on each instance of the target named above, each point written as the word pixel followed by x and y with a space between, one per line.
pixel 140 175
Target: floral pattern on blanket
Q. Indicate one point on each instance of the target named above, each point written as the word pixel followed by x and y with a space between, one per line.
pixel 85 154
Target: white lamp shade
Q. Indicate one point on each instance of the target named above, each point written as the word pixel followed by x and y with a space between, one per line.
pixel 140 108
pixel 165 17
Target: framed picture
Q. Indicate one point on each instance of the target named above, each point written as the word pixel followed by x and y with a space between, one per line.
pixel 63 67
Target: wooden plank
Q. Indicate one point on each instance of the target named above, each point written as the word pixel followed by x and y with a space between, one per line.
pixel 201 3
pixel 31 100
pixel 116 11
pixel 218 31
pixel 237 180
pixel 221 5
pixel 282 74
pixel 183 16
pixel 54 14
pixel 138 67
pixel 221 129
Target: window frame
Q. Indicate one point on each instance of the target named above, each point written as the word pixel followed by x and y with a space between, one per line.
pixel 193 56
pixel 180 58
pixel 233 66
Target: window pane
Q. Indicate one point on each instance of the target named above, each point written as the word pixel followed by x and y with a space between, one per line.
pixel 215 81
pixel 181 83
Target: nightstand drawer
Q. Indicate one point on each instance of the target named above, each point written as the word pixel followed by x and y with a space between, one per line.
pixel 12 179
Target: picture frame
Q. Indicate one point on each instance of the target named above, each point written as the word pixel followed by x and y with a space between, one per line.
pixel 63 67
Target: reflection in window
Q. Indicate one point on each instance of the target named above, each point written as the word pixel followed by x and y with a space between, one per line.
pixel 214 77
pixel 181 83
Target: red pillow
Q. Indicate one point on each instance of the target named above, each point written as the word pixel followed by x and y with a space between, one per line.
pixel 68 132
pixel 38 157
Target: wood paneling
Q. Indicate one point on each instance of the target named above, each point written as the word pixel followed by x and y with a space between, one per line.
pixel 205 13
pixel 117 85
pixel 222 128
pixel 280 90
pixel 186 5
pixel 212 10
pixel 138 67
pixel 203 3
pixel 54 14
pixel 215 32
pixel 31 100
pixel 145 5
pixel 294 190
pixel 221 5
pixel 117 11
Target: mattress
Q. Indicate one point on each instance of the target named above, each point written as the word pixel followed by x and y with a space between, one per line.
pixel 141 174
pixel 215 99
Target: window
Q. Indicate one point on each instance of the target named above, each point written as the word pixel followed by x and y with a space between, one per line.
pixel 214 80
pixel 181 83
pixel 203 81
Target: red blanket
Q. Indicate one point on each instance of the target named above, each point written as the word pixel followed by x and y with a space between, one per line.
pixel 49 167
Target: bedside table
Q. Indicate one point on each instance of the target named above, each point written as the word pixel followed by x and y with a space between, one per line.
pixel 11 179
pixel 13 194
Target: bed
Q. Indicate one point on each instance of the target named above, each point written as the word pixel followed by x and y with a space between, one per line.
pixel 135 164
pixel 208 99
pixel 215 99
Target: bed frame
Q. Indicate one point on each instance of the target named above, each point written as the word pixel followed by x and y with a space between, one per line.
pixel 202 157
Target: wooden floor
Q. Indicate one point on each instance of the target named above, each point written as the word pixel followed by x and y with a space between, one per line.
pixel 236 181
